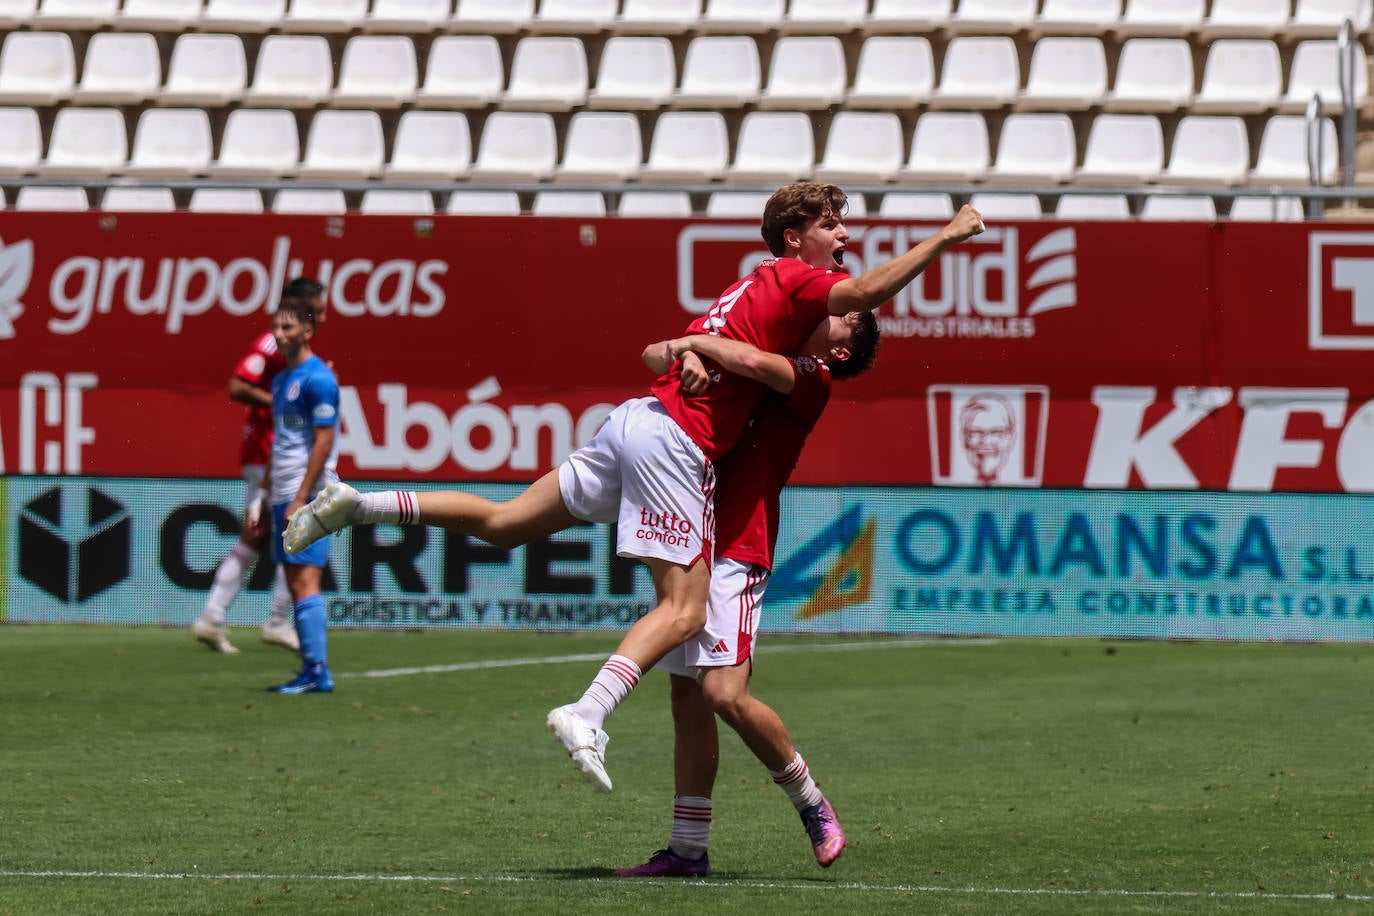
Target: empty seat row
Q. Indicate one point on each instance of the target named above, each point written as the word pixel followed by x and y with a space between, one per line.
pixel 863 147
pixel 1151 17
pixel 673 204
pixel 551 73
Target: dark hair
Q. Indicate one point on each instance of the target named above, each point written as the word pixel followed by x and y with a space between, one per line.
pixel 302 288
pixel 863 348
pixel 795 205
pixel 303 310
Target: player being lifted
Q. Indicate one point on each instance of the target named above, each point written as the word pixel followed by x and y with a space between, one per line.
pixel 653 457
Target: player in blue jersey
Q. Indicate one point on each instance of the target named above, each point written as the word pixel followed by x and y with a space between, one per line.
pixel 305 420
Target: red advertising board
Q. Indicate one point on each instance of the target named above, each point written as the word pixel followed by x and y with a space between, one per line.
pixel 1176 356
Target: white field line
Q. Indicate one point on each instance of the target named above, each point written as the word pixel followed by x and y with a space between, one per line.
pixel 601 656
pixel 696 884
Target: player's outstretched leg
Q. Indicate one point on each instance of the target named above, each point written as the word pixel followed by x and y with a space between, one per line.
pixel 331 510
pixel 585 744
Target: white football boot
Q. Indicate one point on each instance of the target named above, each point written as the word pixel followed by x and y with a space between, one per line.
pixel 328 512
pixel 586 745
pixel 213 635
pixel 281 633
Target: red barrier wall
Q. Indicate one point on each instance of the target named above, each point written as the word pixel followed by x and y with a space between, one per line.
pixel 1180 356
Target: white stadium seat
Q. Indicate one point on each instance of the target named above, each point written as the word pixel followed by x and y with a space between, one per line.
pixel 862 146
pixel 397 202
pixel 806 72
pixel 329 201
pixel 1152 74
pixel 324 15
pixel 916 205
pixel 492 16
pixel 601 146
pixel 658 17
pixel 41 198
pixel 159 15
pixel 741 16
pixel 87 142
pixel 948 145
pixel 995 205
pixel 586 204
pixel 636 72
pixel 292 71
pixel 225 200
pixel 1323 18
pixel 483 203
pixel 21 141
pixel 1161 17
pixel 1093 206
pixel 908 16
pixel 208 70
pixel 547 74
pixel 1260 209
pixel 1315 72
pixel 1245 19
pixel 242 15
pixel 1208 150
pixel 76 15
pixel 736 205
pixel 1179 208
pixel 563 17
pixel 464 71
pixel 1078 17
pixel 1066 74
pixel 824 16
pixel 344 144
pixel 171 143
pixel 516 146
pixel 1123 149
pixel 1282 156
pixel 687 146
pixel 15 13
pixel 1242 76
pixel 258 144
pixel 720 71
pixel 146 200
pixel 894 71
pixel 774 146
pixel 37 68
pixel 377 71
pixel 121 68
pixel 1036 148
pixel 430 146
pixel 978 72
pixel 1001 17
pixel 659 204
pixel 408 15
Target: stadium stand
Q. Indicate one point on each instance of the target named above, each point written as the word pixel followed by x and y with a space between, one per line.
pixel 657 106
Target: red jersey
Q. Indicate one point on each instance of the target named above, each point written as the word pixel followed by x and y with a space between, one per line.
pixel 776 308
pixel 749 480
pixel 258 367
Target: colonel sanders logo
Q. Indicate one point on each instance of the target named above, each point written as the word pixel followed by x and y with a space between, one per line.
pixel 987 436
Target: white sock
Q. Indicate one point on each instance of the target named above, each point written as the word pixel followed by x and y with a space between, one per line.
pixel 691 826
pixel 229 578
pixel 397 507
pixel 282 604
pixel 796 781
pixel 612 684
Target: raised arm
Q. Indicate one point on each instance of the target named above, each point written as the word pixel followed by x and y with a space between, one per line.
pixel 738 358
pixel 870 290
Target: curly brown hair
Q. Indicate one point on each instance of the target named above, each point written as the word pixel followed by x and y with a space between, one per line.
pixel 795 205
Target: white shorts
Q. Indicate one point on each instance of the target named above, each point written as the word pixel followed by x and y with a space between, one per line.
pixel 644 473
pixel 252 483
pixel 732 621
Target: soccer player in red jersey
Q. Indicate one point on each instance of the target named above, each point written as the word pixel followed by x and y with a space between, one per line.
pixel 710 673
pixel 650 466
pixel 251 384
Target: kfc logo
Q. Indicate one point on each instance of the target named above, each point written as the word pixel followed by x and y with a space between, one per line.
pixel 1340 291
pixel 987 436
pixel 16 265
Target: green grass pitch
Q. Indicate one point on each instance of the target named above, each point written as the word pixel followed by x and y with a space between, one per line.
pixel 140 773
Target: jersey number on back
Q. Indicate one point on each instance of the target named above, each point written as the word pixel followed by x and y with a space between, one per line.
pixel 715 318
